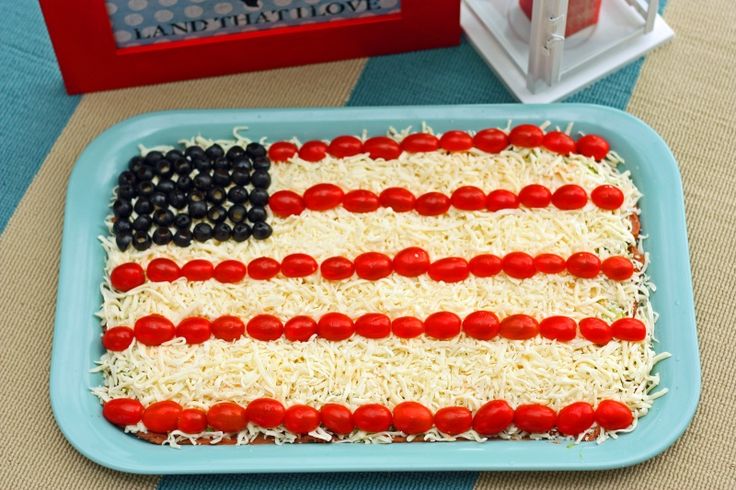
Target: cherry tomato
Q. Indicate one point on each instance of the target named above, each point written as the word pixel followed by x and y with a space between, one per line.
pixel 313 151
pixel 345 146
pixel 575 418
pixel 286 203
pixel 481 325
pixel 501 199
pixel 298 265
pixel 162 417
pixel 595 330
pixel 335 326
pixel 535 196
pixel 453 420
pixel 398 199
pixel 264 327
pixel 411 262
pixel 613 415
pixel 265 412
pixel 583 264
pixel 117 338
pixel 485 265
pixel 491 140
pixel 229 271
pixel 468 198
pixel 228 328
pixel 549 263
pixel 382 147
pixel 373 266
pixel 407 327
pixel 443 325
pixel 534 418
pixel 432 204
pixel 194 329
pixel 373 326
pixel 300 328
pixel 263 268
pixel 569 197
pixel 337 418
pixel 607 197
pixel 360 201
pixel 372 417
pixel 301 419
pixel 450 269
pixel 519 327
pixel 526 136
pixel 123 411
pixel 198 270
pixel 617 268
pixel 412 418
pixel 420 143
pixel 518 265
pixel 558 142
pixel 192 421
pixel 281 151
pixel 321 197
pixel 456 141
pixel 337 268
pixel 493 417
pixel 162 270
pixel 594 146
pixel 560 328
pixel 227 417
pixel 629 329
pixel 154 330
pixel 127 276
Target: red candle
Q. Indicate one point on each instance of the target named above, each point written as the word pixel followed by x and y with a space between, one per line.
pixel 580 14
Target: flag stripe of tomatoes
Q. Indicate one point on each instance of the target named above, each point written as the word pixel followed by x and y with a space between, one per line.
pixel 162 270
pixel 265 412
pixel 286 203
pixel 228 328
pixel 456 141
pixel 282 151
pixel 382 147
pixel 345 146
pixel 420 143
pixel 361 201
pixel 450 269
pixel 534 418
pixel 373 326
pixel 153 330
pixel 264 327
pixel 412 418
pixel 301 419
pixel 298 265
pixel 162 417
pixel 300 328
pixel 117 338
pixel 313 151
pixel 372 417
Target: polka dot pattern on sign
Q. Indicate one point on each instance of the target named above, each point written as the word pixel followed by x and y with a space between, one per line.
pixel 134 19
pixel 193 11
pixel 167 3
pixel 223 8
pixel 137 4
pixel 163 15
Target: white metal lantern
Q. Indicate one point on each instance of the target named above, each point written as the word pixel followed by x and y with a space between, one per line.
pixel 535 60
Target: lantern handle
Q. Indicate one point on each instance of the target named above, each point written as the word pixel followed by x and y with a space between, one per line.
pixel 546 43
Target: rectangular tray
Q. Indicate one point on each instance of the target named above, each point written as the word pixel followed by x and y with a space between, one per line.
pixel 77 345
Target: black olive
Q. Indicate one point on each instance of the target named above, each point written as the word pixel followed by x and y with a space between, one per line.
pixel 240 177
pixel 163 217
pixel 216 195
pixel 162 236
pixel 221 177
pixel 243 164
pixel 152 157
pixel 178 199
pixel 260 179
pixel 122 227
pixel 235 152
pixel 215 151
pixel 183 238
pixel 236 213
pixel 237 194
pixel 159 200
pixel 174 155
pixel 262 230
pixel 202 165
pixel 121 208
pixel 144 174
pixel 194 151
pixel 183 167
pixel 241 232
pixel 143 207
pixel 142 223
pixel 259 197
pixel 164 168
pixel 145 189
pixel 197 196
pixel 197 209
pixel 221 164
pixel 141 241
pixel 202 232
pixel 182 221
pixel 165 186
pixel 127 178
pixel 185 183
pixel 257 214
pixel 255 150
pixel 202 181
pixel 123 241
pixel 216 214
pixel 261 163
pixel 135 163
pixel 222 232
pixel 127 191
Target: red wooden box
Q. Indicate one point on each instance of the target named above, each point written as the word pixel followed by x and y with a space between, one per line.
pixel 580 14
pixel 90 60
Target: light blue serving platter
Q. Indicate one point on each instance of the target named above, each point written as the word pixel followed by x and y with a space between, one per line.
pixel 77 345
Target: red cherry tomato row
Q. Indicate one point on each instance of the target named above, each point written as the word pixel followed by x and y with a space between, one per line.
pixel 321 197
pixel 154 330
pixel 408 417
pixel 489 140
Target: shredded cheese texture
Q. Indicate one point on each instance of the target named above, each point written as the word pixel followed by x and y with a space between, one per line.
pixel 461 371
